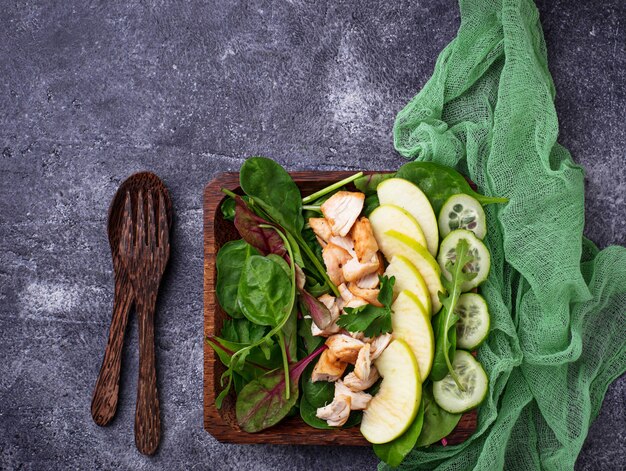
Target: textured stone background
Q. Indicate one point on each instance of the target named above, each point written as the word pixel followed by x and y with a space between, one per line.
pixel 91 92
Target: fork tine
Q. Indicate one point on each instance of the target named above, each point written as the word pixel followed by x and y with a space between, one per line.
pixel 151 228
pixel 164 233
pixel 141 223
pixel 126 236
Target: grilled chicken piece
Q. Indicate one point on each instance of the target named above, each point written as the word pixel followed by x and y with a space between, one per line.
pixel 341 210
pixel 363 363
pixel 337 412
pixel 328 368
pixel 358 400
pixel 334 258
pixel 331 304
pixel 348 299
pixel 378 345
pixel 355 384
pixel 332 329
pixel 365 244
pixel 368 281
pixel 345 243
pixel 369 295
pixel 344 347
pixel 361 336
pixel 354 270
pixel 321 228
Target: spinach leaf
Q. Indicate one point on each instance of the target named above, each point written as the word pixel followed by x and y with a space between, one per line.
pixel 263 402
pixel 242 331
pixel 271 187
pixel 394 452
pixel 371 203
pixel 368 183
pixel 228 209
pixel 438 423
pixel 439 182
pixel 445 342
pixel 264 291
pixel 308 340
pixel 225 349
pixel 229 263
pixel 370 319
pixel 290 336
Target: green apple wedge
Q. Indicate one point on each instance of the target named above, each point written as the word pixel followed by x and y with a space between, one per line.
pixel 393 243
pixel 394 407
pixel 409 197
pixel 388 216
pixel 411 323
pixel 408 277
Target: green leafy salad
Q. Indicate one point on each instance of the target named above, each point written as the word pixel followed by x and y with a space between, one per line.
pixel 347 309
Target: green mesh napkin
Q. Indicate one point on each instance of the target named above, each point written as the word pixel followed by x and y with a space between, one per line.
pixel 558 305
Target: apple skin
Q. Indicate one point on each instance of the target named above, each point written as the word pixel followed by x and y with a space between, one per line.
pixel 409 197
pixel 393 409
pixel 388 216
pixel 411 323
pixel 394 243
pixel 409 277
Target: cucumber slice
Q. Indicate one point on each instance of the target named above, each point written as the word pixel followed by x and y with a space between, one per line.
pixel 473 324
pixel 472 377
pixel 482 258
pixel 462 212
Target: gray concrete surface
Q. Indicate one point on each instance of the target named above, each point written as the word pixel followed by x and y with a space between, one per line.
pixel 91 92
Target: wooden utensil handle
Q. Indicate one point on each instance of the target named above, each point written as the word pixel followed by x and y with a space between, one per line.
pixel 106 391
pixel 147 413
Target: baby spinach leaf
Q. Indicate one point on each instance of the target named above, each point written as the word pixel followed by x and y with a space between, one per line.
pixel 242 331
pixel 264 291
pixel 438 423
pixel 230 261
pixel 263 402
pixel 309 341
pixel 225 349
pixel 368 183
pixel 394 452
pixel 445 342
pixel 228 209
pixel 371 203
pixel 272 188
pixel 370 319
pixel 439 182
pixel 290 336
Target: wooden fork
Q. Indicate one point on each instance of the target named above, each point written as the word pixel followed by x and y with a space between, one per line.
pixel 145 249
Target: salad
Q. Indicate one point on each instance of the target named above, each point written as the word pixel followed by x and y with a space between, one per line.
pixel 356 305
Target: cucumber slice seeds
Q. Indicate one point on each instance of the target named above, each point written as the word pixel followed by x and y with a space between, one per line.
pixel 482 258
pixel 462 212
pixel 472 377
pixel 472 327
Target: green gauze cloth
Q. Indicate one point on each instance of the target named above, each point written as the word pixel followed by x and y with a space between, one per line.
pixel 557 303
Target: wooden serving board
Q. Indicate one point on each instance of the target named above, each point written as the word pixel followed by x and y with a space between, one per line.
pixel 222 423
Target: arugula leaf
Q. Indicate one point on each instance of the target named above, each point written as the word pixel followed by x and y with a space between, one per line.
pixel 370 319
pixel 445 343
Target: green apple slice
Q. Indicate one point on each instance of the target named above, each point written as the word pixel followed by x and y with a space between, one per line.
pixel 394 407
pixel 393 243
pixel 411 323
pixel 409 197
pixel 409 277
pixel 388 216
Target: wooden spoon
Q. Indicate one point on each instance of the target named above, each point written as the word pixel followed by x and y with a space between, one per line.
pixel 106 391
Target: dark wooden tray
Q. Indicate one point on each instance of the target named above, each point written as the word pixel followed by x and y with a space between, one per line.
pixel 222 423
